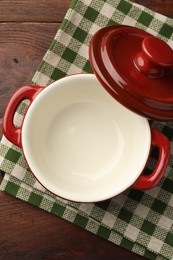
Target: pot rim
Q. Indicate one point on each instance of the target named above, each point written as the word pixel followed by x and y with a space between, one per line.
pixel 55 190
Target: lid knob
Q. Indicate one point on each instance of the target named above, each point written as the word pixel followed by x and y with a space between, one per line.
pixel 155 55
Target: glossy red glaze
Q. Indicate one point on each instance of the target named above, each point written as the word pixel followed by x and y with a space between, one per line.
pixel 158 51
pixel 11 132
pixel 115 55
pixel 149 181
pixel 155 55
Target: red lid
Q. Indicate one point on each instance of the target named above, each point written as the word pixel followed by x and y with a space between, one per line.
pixel 136 68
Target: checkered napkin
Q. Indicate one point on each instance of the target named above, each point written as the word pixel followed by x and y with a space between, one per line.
pixel 139 221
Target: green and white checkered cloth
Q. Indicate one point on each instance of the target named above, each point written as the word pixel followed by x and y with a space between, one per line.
pixel 139 221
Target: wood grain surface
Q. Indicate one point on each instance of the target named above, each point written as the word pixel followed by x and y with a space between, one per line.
pixel 26 232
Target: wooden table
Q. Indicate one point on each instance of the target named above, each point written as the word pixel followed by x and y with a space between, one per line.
pixel 27 232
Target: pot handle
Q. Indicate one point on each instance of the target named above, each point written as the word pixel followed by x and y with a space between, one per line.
pixel 11 132
pixel 160 141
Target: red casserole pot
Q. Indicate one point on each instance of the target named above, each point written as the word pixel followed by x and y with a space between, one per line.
pixel 84 144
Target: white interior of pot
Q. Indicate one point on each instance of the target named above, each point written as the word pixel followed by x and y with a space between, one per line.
pixel 80 143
